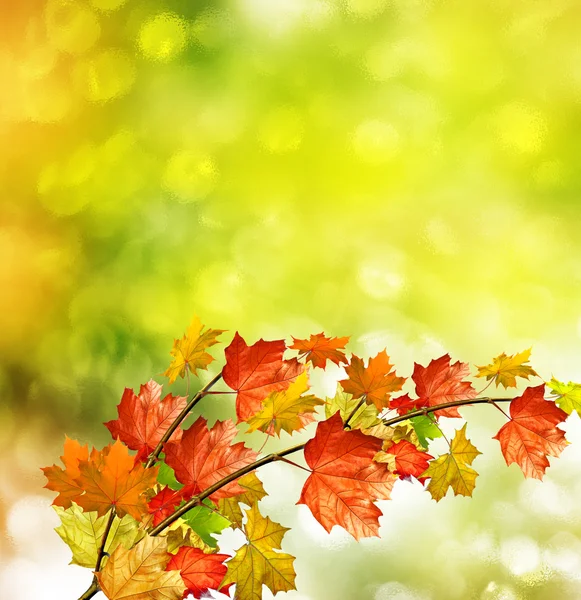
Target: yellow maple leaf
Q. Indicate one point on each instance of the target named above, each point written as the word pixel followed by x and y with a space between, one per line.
pixel 364 417
pixel 286 410
pixel 83 533
pixel 452 469
pixel 505 369
pixel 179 534
pixel 139 573
pixel 568 395
pixel 254 491
pixel 190 352
pixel 258 562
pixel 393 435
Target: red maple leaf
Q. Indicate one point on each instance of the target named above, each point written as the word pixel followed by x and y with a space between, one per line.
pixel 164 503
pixel 409 461
pixel 144 419
pixel 203 457
pixel 345 480
pixel 376 381
pixel 200 572
pixel 438 383
pixel 531 434
pixel 256 371
pixel 320 348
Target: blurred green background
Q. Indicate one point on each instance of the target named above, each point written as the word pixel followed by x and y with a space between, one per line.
pixel 402 171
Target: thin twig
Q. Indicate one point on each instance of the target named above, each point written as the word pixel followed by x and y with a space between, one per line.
pixel 153 456
pixel 359 405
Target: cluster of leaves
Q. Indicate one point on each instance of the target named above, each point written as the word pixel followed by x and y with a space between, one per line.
pixel 145 522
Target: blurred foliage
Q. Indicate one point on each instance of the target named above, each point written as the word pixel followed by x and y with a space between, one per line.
pixel 402 171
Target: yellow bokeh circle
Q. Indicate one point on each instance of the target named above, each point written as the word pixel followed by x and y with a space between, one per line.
pixel 163 37
pixel 190 176
pixel 71 26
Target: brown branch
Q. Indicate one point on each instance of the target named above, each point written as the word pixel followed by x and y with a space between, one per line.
pixel 278 455
pixel 153 456
pixel 219 484
pixel 94 587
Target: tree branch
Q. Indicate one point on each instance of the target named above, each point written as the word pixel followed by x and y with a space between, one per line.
pixel 94 587
pixel 153 456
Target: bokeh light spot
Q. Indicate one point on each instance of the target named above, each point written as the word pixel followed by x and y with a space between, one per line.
pixel 521 128
pixel 71 26
pixel 190 176
pixel 105 76
pixel 163 37
pixel 282 130
pixel 108 5
pixel 376 142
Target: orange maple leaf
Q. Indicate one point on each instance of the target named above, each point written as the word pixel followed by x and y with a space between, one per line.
pixel 202 457
pixel 320 348
pixel 64 482
pixel 376 381
pixel 438 383
pixel 256 371
pixel 345 480
pixel 110 478
pixel 531 434
pixel 144 419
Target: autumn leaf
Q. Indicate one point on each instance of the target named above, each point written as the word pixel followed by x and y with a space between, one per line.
pixel 83 533
pixel 404 459
pixel 453 469
pixel 190 352
pixel 139 573
pixel 505 369
pixel 179 534
pixel 164 503
pixel 200 572
pixel 256 371
pixel 285 410
pixel 376 382
pixel 318 349
pixel 568 395
pixel 205 521
pixel 65 481
pixel 345 480
pixel 203 457
pixel 531 434
pixel 253 492
pixel 393 435
pixel 144 419
pixel 110 478
pixel 426 429
pixel 438 383
pixel 258 563
pixel 345 404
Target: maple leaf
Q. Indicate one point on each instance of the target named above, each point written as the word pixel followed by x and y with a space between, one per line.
pixel 144 419
pixel 531 434
pixel 425 429
pixel 253 492
pixel 258 563
pixel 453 469
pixel 256 371
pixel 438 383
pixel 318 349
pixel 110 478
pixel 345 404
pixel 202 457
pixel 164 503
pixel 505 369
pixel 139 573
pixel 376 381
pixel 205 521
pixel 83 533
pixel 200 572
pixel 190 352
pixel 286 409
pixel 65 481
pixel 345 480
pixel 404 459
pixel 568 395
pixel 393 435
pixel 179 534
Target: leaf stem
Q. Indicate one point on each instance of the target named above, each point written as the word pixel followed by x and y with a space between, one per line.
pixel 359 405
pixel 153 456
